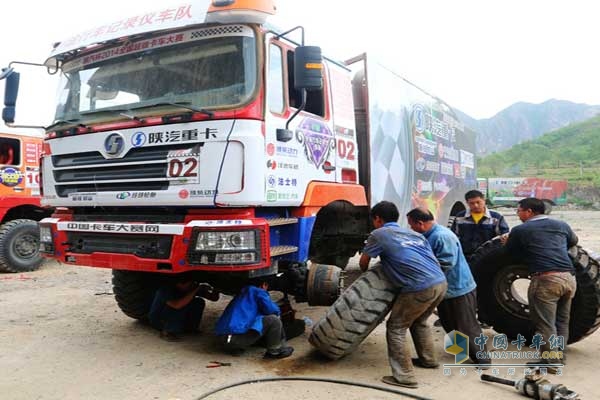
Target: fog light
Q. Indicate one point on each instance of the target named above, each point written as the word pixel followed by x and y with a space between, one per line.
pixel 235 258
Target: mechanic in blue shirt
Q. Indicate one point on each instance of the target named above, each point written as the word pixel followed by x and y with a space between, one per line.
pixel 458 310
pixel 250 317
pixel 409 263
pixel 543 243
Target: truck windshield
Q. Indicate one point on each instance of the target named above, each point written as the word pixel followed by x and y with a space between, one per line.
pixel 214 73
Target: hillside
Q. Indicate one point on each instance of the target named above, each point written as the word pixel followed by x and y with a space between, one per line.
pixel 525 121
pixel 571 153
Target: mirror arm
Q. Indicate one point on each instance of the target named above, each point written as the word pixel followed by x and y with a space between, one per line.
pixel 301 108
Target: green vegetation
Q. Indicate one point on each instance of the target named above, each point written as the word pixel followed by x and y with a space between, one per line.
pixel 571 153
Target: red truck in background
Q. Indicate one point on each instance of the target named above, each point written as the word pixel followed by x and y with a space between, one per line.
pixel 508 191
pixel 20 207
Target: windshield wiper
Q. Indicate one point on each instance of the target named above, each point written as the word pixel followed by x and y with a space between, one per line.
pixel 75 122
pixel 182 104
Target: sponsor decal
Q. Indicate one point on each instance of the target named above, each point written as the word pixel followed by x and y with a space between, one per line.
pixel 115 227
pixel 10 176
pixel 272 164
pixel 184 194
pixel 123 195
pixel 287 151
pixel 340 130
pixel 82 198
pixel 182 136
pixel 202 193
pixel 317 139
pixel 272 181
pixel 270 149
pixel 271 195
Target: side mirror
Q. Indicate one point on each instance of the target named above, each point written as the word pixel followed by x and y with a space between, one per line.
pixel 308 68
pixel 11 91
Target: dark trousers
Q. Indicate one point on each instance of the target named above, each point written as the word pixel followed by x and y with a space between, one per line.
pixel 186 319
pixel 550 299
pixel 411 311
pixel 272 336
pixel 460 314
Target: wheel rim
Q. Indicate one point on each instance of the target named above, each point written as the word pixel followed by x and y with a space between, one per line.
pixel 510 289
pixel 26 246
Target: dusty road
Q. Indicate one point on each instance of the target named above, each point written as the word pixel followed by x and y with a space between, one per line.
pixel 63 337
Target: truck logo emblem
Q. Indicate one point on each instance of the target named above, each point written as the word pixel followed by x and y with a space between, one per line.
pixel 114 144
pixel 138 139
pixel 317 139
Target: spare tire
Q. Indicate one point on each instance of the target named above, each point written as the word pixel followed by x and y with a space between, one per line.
pixel 501 305
pixel 357 311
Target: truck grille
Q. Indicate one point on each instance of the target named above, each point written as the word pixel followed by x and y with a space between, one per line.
pixel 91 172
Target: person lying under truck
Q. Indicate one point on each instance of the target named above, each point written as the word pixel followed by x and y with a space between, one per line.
pixel 252 317
pixel 458 310
pixel 543 243
pixel 407 261
pixel 177 307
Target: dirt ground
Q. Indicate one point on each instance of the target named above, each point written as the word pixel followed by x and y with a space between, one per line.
pixel 63 337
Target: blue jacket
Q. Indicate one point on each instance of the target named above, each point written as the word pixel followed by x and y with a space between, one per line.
pixel 448 251
pixel 472 235
pixel 406 258
pixel 245 312
pixel 543 243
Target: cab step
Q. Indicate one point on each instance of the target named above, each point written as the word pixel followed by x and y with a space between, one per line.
pixel 282 221
pixel 281 250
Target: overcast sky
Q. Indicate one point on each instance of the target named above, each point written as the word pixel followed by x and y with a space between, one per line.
pixel 479 56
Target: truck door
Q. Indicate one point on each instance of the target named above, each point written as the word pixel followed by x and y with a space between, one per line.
pixel 310 154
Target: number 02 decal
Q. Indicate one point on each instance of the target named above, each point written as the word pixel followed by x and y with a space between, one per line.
pixel 346 149
pixel 183 167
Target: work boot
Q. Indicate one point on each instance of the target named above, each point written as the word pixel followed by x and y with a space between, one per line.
pixel 417 362
pixel 410 383
pixel 282 352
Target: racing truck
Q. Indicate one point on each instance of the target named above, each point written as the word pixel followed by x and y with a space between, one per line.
pixel 20 207
pixel 204 140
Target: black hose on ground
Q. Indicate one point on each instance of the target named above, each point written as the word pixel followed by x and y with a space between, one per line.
pixel 311 379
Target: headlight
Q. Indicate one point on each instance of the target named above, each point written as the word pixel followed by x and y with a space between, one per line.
pixel 219 240
pixel 45 234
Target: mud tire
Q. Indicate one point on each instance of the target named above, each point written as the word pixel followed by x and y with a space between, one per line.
pixel 134 292
pixel 353 316
pixel 20 246
pixel 501 308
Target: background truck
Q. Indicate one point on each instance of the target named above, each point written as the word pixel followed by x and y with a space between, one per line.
pixel 508 191
pixel 20 207
pixel 208 142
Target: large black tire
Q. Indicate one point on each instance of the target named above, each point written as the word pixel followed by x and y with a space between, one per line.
pixel 508 312
pixel 134 292
pixel 20 246
pixel 357 311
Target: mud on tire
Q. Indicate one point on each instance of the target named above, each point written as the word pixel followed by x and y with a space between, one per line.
pixel 358 310
pixel 134 292
pixel 19 246
pixel 507 311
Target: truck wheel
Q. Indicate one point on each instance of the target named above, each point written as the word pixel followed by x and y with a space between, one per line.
pixel 505 307
pixel 357 311
pixel 547 206
pixel 20 246
pixel 134 292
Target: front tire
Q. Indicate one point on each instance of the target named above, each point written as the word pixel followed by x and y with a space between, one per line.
pixel 20 246
pixel 134 292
